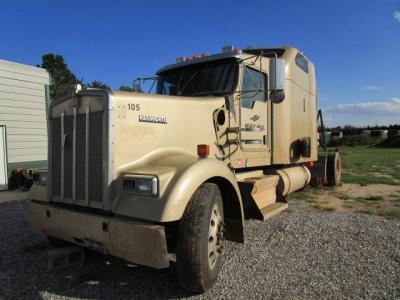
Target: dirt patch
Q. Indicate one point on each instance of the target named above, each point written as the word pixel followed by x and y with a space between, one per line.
pixel 373 198
pixel 356 190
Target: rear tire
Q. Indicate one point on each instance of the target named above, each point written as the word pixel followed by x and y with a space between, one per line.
pixel 333 169
pixel 200 240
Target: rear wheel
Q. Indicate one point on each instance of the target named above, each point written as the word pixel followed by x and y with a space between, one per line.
pixel 333 169
pixel 200 240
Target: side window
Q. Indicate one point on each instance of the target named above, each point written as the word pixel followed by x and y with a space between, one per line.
pixel 253 87
pixel 302 62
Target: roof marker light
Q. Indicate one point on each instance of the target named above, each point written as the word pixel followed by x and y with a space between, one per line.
pixel 231 49
pixel 182 59
pixel 227 49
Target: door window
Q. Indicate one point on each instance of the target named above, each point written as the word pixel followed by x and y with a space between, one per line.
pixel 253 88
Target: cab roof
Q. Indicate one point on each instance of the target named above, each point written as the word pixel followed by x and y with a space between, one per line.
pixel 219 56
pixel 234 53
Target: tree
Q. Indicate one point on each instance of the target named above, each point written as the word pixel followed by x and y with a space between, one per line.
pixel 98 85
pixel 125 88
pixel 62 78
pixel 136 88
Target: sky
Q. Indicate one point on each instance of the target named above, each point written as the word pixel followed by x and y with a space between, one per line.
pixel 354 44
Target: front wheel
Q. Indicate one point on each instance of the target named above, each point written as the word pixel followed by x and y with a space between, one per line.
pixel 200 240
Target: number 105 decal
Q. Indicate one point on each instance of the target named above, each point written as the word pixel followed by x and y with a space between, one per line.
pixel 133 106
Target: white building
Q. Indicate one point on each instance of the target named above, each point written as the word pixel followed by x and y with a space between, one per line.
pixel 382 133
pixel 24 95
pixel 335 135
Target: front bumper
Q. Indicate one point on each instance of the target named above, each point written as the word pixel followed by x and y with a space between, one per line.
pixel 139 243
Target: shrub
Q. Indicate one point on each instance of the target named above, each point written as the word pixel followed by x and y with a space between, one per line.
pixel 392 142
pixel 354 140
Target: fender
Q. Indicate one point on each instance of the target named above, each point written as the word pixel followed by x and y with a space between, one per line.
pixel 190 181
pixel 180 175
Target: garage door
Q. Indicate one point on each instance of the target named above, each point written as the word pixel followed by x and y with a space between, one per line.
pixel 3 158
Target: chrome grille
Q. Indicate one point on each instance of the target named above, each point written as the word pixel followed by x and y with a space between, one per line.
pixel 56 156
pixel 77 168
pixel 95 157
pixel 80 156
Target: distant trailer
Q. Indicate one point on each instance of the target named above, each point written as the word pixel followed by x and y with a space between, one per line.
pixel 381 133
pixel 24 96
pixel 335 135
pixel 394 132
pixel 366 132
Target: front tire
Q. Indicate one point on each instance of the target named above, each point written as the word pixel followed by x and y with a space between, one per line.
pixel 200 240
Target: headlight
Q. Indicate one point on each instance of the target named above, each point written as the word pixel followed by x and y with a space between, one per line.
pixel 40 177
pixel 141 184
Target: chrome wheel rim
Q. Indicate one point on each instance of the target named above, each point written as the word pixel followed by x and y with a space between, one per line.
pixel 215 236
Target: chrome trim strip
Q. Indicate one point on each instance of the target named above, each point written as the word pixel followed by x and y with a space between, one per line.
pixel 154 186
pixel 253 142
pixel 87 155
pixel 49 155
pixel 62 154
pixel 74 155
pixel 108 153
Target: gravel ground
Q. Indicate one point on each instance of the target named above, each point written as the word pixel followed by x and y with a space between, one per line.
pixel 300 254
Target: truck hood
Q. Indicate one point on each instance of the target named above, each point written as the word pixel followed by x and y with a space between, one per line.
pixel 149 127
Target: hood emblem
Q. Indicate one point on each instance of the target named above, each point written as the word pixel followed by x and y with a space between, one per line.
pixel 255 118
pixel 153 119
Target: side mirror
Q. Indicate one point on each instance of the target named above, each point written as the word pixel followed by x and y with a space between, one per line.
pixel 277 79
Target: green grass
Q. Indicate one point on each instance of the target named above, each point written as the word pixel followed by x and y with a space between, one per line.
pixel 347 205
pixel 371 200
pixel 325 208
pixel 364 166
pixel 374 198
pixel 360 164
pixel 367 179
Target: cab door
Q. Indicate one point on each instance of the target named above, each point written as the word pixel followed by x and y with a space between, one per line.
pixel 254 117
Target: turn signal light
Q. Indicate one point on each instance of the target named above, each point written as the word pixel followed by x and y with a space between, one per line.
pixel 203 150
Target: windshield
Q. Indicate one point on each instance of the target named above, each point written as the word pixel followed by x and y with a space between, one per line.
pixel 210 78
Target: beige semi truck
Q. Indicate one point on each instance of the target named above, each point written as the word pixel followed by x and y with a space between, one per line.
pixel 139 176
